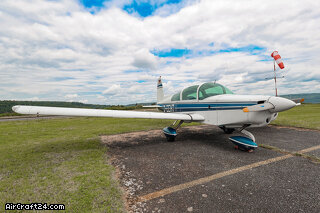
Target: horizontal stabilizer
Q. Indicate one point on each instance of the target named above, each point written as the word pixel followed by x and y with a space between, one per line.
pixel 40 110
pixel 259 107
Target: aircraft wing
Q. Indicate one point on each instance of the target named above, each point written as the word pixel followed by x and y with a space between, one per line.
pixel 152 106
pixel 41 110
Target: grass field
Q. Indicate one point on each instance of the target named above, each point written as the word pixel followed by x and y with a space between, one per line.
pixel 305 116
pixel 62 161
pixel 9 114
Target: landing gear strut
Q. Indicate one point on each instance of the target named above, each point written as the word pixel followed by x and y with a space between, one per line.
pixel 171 131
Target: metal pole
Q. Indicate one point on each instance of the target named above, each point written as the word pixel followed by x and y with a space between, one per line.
pixel 275 77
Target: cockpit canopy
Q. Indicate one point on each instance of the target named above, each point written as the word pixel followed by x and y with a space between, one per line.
pixel 201 92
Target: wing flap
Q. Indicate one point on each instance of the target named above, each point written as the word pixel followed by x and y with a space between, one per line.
pixel 40 110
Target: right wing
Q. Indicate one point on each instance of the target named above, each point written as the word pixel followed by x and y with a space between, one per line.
pixel 40 110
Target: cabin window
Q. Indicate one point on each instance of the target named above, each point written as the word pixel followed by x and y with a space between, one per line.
pixel 190 93
pixel 176 97
pixel 211 89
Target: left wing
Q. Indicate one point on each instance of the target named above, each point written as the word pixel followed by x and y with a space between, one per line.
pixel 40 110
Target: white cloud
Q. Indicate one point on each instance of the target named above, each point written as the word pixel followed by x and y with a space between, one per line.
pixel 143 59
pixel 114 89
pixel 70 96
pixel 83 101
pixel 53 49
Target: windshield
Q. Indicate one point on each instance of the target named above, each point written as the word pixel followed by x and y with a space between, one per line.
pixel 176 97
pixel 190 93
pixel 211 89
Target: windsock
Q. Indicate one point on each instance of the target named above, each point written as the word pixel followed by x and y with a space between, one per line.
pixel 277 58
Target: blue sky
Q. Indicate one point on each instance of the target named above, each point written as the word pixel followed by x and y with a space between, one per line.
pixel 250 49
pixel 141 7
pixel 113 51
pixel 93 3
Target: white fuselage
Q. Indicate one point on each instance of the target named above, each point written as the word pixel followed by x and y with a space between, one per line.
pixel 223 110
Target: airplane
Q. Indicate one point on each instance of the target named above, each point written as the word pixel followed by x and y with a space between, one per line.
pixel 207 103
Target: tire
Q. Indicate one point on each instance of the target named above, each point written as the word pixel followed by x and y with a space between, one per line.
pixel 227 130
pixel 170 138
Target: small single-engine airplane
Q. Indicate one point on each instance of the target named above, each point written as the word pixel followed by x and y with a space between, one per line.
pixel 208 103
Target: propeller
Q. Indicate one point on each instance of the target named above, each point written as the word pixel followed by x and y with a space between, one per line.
pixel 273 104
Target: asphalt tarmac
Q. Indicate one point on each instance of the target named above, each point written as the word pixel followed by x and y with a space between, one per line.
pixel 202 172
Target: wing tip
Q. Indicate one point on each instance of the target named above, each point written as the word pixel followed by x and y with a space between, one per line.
pixel 15 108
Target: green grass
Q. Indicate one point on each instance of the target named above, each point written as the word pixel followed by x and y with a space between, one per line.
pixel 305 116
pixel 9 114
pixel 63 161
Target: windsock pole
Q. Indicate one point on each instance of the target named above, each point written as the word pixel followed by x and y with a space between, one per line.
pixel 277 58
pixel 275 77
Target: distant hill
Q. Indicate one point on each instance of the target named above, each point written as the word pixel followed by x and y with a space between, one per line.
pixel 143 104
pixel 312 98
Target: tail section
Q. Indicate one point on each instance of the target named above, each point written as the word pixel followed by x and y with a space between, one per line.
pixel 160 94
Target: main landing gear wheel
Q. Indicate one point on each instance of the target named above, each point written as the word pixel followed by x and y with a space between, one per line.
pixel 171 132
pixel 170 138
pixel 227 130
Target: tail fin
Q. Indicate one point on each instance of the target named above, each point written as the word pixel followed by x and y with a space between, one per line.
pixel 160 95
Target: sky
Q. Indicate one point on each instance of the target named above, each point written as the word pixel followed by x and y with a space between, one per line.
pixel 113 51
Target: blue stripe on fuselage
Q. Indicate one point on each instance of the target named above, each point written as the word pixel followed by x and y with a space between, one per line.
pixel 205 106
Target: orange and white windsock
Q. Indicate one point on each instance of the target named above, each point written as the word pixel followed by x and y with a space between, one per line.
pixel 277 58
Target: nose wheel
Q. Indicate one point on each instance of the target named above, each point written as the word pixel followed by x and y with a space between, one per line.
pixel 244 148
pixel 244 143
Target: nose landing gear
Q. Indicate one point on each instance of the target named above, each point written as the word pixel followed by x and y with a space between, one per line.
pixel 244 143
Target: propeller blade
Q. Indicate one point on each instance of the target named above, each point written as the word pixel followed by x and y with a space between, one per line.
pixel 298 100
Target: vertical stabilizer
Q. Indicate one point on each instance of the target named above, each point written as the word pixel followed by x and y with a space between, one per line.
pixel 160 95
